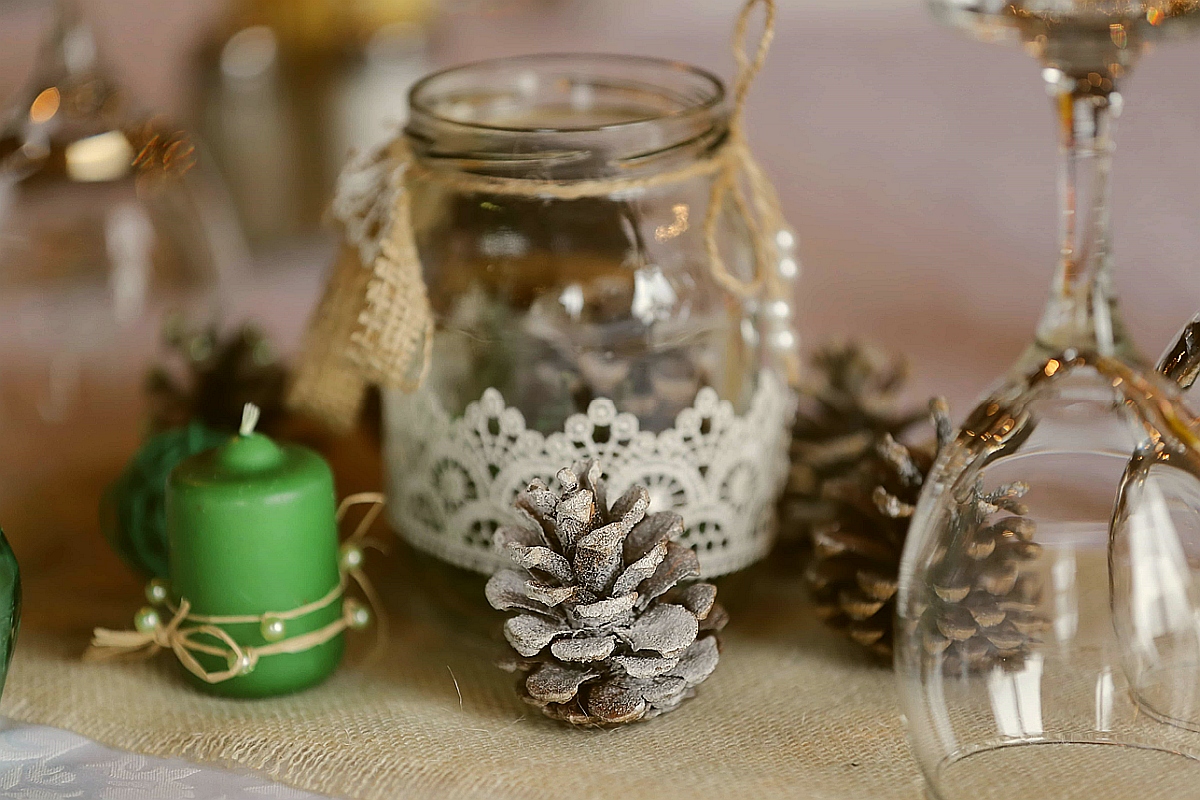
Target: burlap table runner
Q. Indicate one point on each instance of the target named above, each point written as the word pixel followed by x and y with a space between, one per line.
pixel 790 712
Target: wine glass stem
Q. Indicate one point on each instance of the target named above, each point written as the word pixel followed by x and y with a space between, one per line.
pixel 1081 310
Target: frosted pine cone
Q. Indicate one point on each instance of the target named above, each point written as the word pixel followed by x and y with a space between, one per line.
pixel 605 633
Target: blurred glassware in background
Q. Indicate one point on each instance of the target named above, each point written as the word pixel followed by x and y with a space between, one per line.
pixel 290 87
pixel 111 230
pixel 1070 662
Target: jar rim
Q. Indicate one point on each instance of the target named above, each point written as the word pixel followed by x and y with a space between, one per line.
pixel 713 92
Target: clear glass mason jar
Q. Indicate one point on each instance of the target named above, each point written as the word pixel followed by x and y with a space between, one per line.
pixel 568 328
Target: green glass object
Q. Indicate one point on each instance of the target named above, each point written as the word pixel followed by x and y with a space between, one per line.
pixel 10 606
pixel 133 510
pixel 252 530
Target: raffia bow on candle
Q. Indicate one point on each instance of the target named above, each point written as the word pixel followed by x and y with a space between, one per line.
pixel 374 324
pixel 187 634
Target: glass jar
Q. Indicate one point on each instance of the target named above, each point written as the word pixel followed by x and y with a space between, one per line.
pixel 590 325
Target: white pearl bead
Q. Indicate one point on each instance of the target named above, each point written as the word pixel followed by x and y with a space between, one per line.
pixel 785 239
pixel 273 628
pixel 242 664
pixel 352 556
pixel 781 309
pixel 788 268
pixel 358 616
pixel 156 591
pixel 783 340
pixel 146 620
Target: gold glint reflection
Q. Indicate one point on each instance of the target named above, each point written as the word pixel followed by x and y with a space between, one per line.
pixel 679 226
pixel 45 105
pixel 165 151
pixel 1118 34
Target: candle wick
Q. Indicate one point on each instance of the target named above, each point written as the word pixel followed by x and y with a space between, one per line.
pixel 250 415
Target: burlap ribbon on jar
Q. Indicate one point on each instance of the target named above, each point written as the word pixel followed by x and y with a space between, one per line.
pixel 374 324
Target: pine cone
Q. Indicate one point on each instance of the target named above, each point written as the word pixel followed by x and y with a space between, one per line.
pixel 984 610
pixel 846 409
pixel 133 512
pixel 867 495
pixel 220 375
pixel 605 632
pixel 855 564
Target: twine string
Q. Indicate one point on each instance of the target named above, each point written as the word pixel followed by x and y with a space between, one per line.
pixel 188 634
pixel 747 67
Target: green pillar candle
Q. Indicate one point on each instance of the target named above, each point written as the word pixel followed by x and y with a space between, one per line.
pixel 252 531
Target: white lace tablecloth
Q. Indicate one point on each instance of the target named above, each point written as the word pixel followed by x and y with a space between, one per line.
pixel 40 763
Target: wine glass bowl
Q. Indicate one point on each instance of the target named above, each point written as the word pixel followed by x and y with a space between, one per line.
pixel 1007 632
pixel 1154 587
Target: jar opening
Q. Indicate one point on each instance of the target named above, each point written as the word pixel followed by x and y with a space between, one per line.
pixel 566 93
pixel 566 117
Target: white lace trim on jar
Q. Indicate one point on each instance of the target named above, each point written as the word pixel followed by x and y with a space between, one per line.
pixel 453 481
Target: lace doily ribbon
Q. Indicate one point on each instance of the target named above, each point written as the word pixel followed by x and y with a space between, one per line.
pixel 187 634
pixel 719 469
pixel 374 323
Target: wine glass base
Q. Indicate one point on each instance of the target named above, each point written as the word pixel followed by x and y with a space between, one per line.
pixel 1067 769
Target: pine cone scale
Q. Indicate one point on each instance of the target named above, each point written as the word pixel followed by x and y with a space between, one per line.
pixel 551 683
pixel 529 634
pixel 608 610
pixel 641 569
pixel 679 564
pixel 667 629
pixel 583 650
pixel 549 596
pixel 654 530
pixel 647 666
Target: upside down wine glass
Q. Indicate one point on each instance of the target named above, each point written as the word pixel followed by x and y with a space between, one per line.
pixel 1047 626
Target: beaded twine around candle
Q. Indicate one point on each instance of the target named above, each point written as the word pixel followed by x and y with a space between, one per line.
pixel 256 604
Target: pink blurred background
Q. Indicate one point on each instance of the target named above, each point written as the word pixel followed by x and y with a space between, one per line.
pixel 916 165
